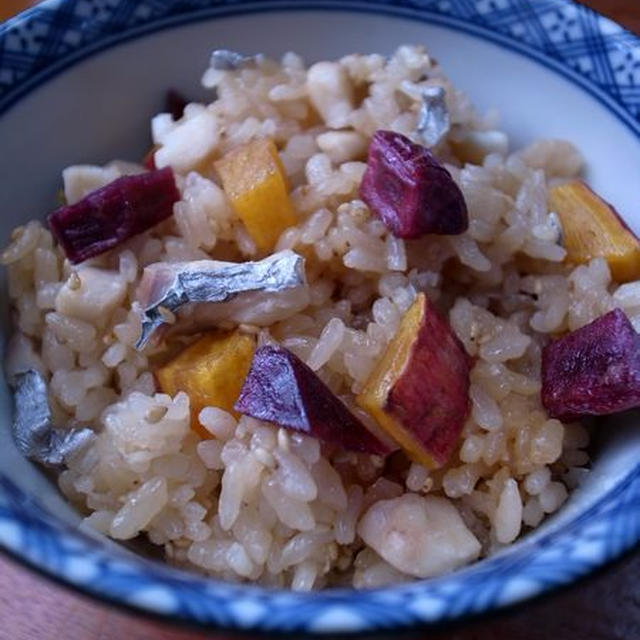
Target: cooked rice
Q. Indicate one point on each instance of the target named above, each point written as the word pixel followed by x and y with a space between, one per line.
pixel 272 506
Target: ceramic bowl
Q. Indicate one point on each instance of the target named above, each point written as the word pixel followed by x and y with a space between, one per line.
pixel 79 80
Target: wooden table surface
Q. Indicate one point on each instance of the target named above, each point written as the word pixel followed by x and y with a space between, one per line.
pixel 603 607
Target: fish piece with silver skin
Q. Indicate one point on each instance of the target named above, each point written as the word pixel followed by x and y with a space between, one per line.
pixel 258 292
pixel 228 60
pixel 434 120
pixel 33 431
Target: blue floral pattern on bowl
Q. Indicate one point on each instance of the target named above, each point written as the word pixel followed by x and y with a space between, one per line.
pixel 572 40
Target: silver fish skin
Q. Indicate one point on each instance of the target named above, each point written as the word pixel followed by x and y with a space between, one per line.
pixel 166 287
pixel 228 60
pixel 434 120
pixel 33 432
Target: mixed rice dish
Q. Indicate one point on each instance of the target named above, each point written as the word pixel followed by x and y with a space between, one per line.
pixel 331 331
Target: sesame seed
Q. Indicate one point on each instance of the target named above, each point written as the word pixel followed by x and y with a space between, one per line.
pixel 74 282
pixel 155 414
pixel 167 315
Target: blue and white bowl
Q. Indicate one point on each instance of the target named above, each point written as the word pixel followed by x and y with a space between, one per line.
pixel 79 80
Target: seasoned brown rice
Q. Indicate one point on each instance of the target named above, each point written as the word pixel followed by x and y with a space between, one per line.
pixel 272 506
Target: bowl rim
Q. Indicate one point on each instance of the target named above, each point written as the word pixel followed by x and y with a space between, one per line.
pixel 403 607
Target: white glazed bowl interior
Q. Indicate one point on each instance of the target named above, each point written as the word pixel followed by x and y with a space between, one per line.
pixel 99 109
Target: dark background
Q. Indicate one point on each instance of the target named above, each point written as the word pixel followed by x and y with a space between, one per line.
pixel 603 607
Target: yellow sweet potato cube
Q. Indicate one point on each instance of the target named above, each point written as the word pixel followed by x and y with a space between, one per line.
pixel 210 371
pixel 255 182
pixel 592 228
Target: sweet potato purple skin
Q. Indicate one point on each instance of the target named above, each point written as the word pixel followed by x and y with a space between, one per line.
pixel 108 216
pixel 282 389
pixel 593 371
pixel 175 103
pixel 410 190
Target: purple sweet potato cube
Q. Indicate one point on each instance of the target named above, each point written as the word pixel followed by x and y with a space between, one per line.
pixel 108 216
pixel 282 389
pixel 593 371
pixel 409 190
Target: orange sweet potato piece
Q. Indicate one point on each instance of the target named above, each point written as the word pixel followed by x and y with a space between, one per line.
pixel 592 228
pixel 419 391
pixel 255 182
pixel 211 371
